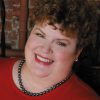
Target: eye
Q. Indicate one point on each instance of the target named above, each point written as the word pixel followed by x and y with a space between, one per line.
pixel 62 44
pixel 40 35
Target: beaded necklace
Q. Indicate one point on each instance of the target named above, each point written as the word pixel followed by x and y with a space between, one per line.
pixel 40 93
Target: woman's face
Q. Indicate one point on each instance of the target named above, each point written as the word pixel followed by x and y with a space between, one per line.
pixel 49 53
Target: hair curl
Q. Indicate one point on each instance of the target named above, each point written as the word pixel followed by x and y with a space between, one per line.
pixel 79 15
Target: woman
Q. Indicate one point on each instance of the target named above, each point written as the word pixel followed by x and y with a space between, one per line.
pixel 62 29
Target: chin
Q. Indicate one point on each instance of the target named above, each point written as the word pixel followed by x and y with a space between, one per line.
pixel 41 74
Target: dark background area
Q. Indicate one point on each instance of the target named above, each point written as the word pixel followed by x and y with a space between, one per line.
pixel 88 67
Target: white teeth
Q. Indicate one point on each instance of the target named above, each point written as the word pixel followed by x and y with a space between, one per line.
pixel 43 59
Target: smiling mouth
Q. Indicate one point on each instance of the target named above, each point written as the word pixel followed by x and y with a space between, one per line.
pixel 43 60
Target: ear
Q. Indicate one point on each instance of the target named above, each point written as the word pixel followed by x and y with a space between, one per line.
pixel 78 52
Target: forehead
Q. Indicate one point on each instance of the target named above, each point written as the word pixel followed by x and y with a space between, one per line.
pixel 67 32
pixel 49 30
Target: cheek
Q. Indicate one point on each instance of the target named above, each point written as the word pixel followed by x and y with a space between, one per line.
pixel 65 57
pixel 32 42
pixel 30 48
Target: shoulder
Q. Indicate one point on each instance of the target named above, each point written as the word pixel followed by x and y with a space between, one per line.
pixel 6 62
pixel 80 88
pixel 7 59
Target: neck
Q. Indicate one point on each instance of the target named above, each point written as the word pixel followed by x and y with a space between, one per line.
pixel 34 83
pixel 31 81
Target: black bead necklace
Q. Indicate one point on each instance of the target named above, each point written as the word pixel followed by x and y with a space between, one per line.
pixel 40 93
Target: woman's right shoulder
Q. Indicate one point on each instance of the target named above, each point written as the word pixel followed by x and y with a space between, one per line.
pixel 7 61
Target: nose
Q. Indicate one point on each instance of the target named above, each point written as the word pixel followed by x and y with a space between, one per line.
pixel 47 48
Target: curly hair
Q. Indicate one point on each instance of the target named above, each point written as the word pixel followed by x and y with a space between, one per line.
pixel 78 15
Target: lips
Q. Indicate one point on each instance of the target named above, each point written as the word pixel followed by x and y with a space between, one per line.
pixel 43 60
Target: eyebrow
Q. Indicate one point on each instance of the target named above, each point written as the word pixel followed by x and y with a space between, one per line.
pixel 56 39
pixel 64 40
pixel 40 30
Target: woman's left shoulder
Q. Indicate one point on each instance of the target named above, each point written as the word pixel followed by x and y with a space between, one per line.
pixel 85 90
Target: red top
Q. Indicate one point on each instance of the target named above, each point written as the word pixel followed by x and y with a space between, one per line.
pixel 73 89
